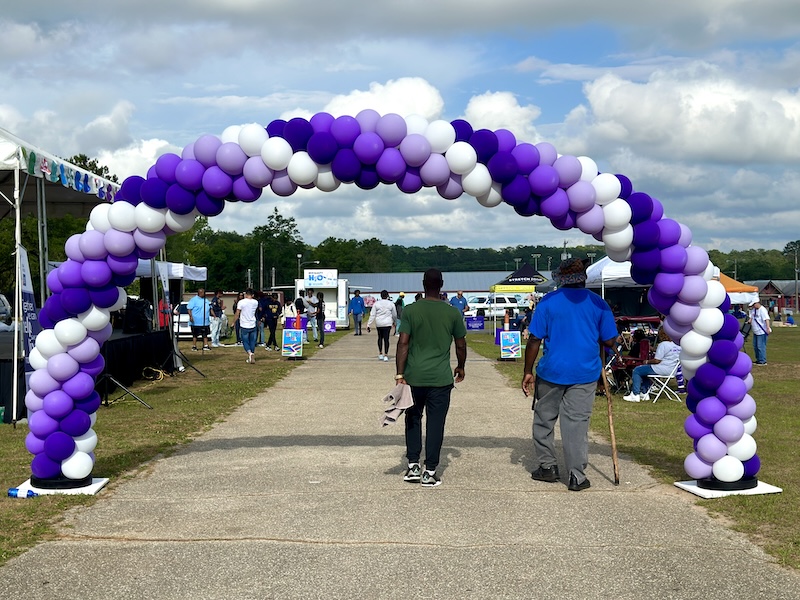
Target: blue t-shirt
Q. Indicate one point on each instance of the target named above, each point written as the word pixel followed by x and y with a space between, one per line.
pixel 201 311
pixel 356 305
pixel 571 322
pixel 459 303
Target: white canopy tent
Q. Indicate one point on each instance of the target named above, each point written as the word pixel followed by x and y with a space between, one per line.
pixel 61 187
pixel 607 273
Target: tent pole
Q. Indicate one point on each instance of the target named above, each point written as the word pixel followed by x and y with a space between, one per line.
pixel 17 296
pixel 44 247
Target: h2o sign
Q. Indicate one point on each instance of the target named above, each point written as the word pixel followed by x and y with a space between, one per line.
pixel 321 278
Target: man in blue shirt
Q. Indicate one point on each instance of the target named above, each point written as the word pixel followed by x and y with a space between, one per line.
pixel 459 302
pixel 572 322
pixel 356 307
pixel 199 310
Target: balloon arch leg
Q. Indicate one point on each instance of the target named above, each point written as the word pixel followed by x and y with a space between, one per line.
pixel 411 153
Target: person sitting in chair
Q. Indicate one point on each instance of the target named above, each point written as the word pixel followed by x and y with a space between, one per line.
pixel 666 359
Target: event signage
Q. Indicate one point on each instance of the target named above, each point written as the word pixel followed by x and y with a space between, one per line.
pixel 320 278
pixel 475 323
pixel 292 343
pixel 510 346
pixel 30 320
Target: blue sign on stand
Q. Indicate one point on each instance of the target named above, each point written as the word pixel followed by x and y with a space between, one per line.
pixel 292 346
pixel 475 323
pixel 510 345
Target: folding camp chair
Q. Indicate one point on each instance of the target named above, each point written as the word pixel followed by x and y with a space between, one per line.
pixel 661 385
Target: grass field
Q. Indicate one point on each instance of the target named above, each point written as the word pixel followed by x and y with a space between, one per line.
pixel 653 435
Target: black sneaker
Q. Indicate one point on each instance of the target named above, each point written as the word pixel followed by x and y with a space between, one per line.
pixel 430 479
pixel 413 473
pixel 574 486
pixel 548 474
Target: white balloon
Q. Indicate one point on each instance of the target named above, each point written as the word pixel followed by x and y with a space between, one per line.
pixel 441 135
pixel 122 216
pixel 728 469
pixel 95 318
pixel 743 449
pixel 89 226
pixel 302 170
pixel 36 359
pixel 709 321
pixel 121 301
pixel 750 425
pixel 715 295
pixel 461 158
pixel 231 134
pixel 619 256
pixel 93 418
pixel 99 217
pixel 251 138
pixel 86 442
pixel 588 169
pixel 688 374
pixel 695 343
pixel 276 153
pixel 690 361
pixel 492 198
pixel 617 214
pixel 150 219
pixel 180 223
pixel 48 344
pixel 708 274
pixel 70 331
pixel 325 179
pixel 416 124
pixel 619 239
pixel 77 466
pixel 607 188
pixel 478 181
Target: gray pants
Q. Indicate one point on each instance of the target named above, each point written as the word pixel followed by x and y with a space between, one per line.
pixel 573 404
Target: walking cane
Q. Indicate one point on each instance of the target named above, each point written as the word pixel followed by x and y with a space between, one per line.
pixel 614 458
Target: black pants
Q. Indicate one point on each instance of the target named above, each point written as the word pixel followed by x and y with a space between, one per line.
pixel 321 330
pixel 271 341
pixel 383 339
pixel 435 401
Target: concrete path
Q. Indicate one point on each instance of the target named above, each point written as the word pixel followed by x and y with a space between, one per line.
pixel 299 494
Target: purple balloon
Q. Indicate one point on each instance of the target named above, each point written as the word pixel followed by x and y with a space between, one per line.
pixel 85 350
pixel 369 147
pixel 180 200
pixel 104 297
pixel 505 140
pixel 503 167
pixel 695 428
pixel 123 265
pixel 282 184
pixel 166 165
pixel 436 171
pixel 675 330
pixel 518 191
pixel 547 153
pixel 322 147
pixel 729 330
pixel 297 132
pixel 544 181
pixel 410 182
pixel 581 196
pixel 485 143
pixel 42 382
pixel 527 157
pixel 241 190
pixel 321 121
pixel 726 304
pixel 102 335
pixel 130 190
pixel 154 192
pixel 45 321
pixel 41 424
pixel 149 242
pixel 92 246
pixel 368 178
pixel 62 366
pixel 565 223
pixel 643 276
pixel 752 466
pixel 276 127
pixel 648 260
pixel 452 188
pixel 592 220
pixel 368 119
pixel 189 174
pixel 673 259
pixel 694 289
pixel 696 467
pixel 75 300
pixel 569 170
pixel 641 207
pixel 684 314
pixel 723 353
pixel 126 280
pixel 230 158
pixel 96 273
pixel 742 365
pixel 416 149
pixel 89 404
pixel 555 205
pixel 530 209
pixel 729 429
pixel 72 248
pixel 59 446
pixel 43 467
pixel 710 448
pixel 119 243
pixel 53 283
pixel 710 376
pixel 151 172
pixel 658 210
pixel 670 231
pixel 94 367
pixel 75 423
pixel 257 173
pixel 79 386
pixel 57 404
pixel 731 390
pixel 390 166
pixel 345 165
pixel 33 402
pixel 661 302
pixel 216 183
pixel 710 410
pixel 34 445
pixel 646 235
pixel 392 128
pixel 686 236
pixel 208 206
pixel 463 129
pixel 205 150
pixel 627 186
pixel 744 409
pixel 69 274
pixel 345 130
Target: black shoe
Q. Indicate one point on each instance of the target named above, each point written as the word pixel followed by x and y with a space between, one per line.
pixel 548 474
pixel 574 486
pixel 413 474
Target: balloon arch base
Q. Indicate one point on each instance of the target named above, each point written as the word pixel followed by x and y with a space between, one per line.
pixel 714 488
pixel 62 486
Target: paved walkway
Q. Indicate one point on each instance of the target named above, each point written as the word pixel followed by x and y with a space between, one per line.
pixel 299 494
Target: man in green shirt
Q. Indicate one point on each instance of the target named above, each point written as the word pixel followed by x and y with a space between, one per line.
pixel 427 330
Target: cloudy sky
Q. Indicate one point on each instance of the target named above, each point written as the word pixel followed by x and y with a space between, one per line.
pixel 696 102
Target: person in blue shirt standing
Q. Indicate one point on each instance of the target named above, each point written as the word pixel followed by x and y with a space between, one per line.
pixel 460 302
pixel 356 307
pixel 199 310
pixel 572 322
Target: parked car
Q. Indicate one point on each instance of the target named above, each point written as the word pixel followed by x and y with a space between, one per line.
pixel 180 321
pixel 491 305
pixel 6 314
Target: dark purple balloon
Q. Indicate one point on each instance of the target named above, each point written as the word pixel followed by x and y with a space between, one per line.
pixel 527 157
pixel 130 190
pixel 96 273
pixel 646 235
pixel 69 274
pixel 691 404
pixel 189 174
pixel 485 143
pixel 368 178
pixel 94 367
pixel 659 301
pixel 322 147
pixel 126 280
pixel 59 446
pixel 345 165
pixel 54 310
pixel 410 182
pixel 297 132
pixel 123 265
pixel 79 386
pixel 75 300
pixel 275 128
pixel 75 423
pixel 43 467
pixel 729 330
pixel 566 222
pixel 723 353
pixel 209 206
pixel 641 207
pixel 752 466
pixel 726 304
pixel 463 129
pixel 180 200
pixel 643 276
pixel 696 390
pixel 166 165
pixel 647 260
pixel 627 186
pixel 321 121
pixel 104 297
pixel 670 231
pixel 710 410
pixel 45 321
pixel 710 376
pixel 89 404
pixel 517 192
pixel 345 129
pixel 695 428
pixel 503 167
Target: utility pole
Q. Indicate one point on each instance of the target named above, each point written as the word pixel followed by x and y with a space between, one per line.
pixel 261 266
pixel 565 255
pixel 549 260
pixel 795 280
pixel 535 258
pixel 591 256
pixel 516 263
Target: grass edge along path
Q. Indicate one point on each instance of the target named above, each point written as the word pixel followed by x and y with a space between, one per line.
pixel 652 434
pixel 130 436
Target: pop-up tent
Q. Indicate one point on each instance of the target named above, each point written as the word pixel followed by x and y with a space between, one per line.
pixel 606 273
pixel 522 281
pixel 740 293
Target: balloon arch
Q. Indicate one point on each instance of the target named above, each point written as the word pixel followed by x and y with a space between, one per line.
pixel 412 153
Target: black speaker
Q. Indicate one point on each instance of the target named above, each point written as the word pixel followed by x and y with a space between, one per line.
pixel 138 317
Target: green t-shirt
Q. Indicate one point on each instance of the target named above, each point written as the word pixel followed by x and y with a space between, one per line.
pixel 432 326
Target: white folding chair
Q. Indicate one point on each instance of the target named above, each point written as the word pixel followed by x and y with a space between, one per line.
pixel 661 385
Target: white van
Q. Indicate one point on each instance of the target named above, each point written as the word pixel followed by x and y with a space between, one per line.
pixel 492 305
pixel 6 314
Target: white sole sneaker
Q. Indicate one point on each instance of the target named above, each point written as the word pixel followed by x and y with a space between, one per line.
pixel 632 398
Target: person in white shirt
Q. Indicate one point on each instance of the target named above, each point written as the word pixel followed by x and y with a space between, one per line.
pixel 383 314
pixel 246 317
pixel 666 359
pixel 311 312
pixel 759 321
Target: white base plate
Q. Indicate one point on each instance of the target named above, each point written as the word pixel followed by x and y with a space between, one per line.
pixel 97 484
pixel 761 488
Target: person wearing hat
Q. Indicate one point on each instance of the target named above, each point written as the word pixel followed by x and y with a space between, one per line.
pixel 572 322
pixel 759 321
pixel 398 306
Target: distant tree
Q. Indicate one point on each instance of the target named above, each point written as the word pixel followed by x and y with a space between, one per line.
pixel 91 165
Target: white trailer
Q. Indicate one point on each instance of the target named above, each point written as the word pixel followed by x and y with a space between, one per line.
pixel 334 291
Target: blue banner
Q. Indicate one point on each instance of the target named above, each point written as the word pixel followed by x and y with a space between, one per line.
pixel 30 318
pixel 475 323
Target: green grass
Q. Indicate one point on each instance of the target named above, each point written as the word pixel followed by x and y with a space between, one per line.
pixel 653 435
pixel 130 435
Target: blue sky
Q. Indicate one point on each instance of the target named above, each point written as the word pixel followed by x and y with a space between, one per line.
pixel 696 102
